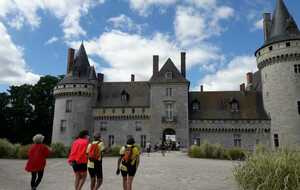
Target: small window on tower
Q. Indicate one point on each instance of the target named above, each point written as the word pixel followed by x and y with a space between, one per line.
pixel 69 106
pixel 297 68
pixel 63 126
pixel 276 140
pixel 288 44
pixel 271 48
pixel 299 107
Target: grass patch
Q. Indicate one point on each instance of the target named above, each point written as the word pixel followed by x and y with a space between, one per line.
pixel 265 170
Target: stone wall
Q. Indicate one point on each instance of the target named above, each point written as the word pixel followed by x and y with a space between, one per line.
pixel 222 132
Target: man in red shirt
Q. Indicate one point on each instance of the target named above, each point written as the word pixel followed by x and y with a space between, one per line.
pixel 36 163
pixel 78 158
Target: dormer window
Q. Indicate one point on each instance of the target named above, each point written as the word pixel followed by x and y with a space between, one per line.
pixel 169 75
pixel 195 106
pixel 234 105
pixel 124 97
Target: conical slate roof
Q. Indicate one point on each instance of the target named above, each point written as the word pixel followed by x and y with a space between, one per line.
pixel 81 63
pixel 283 25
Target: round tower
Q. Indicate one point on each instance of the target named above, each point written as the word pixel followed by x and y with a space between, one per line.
pixel 279 63
pixel 75 96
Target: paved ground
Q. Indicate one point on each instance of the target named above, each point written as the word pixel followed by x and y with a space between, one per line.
pixel 174 172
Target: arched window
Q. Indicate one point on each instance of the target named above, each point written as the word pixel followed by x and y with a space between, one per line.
pixel 124 96
pixel 234 105
pixel 195 106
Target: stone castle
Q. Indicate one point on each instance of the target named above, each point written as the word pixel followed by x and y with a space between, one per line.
pixel 266 110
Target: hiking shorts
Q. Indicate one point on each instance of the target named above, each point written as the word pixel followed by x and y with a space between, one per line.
pixel 97 170
pixel 79 167
pixel 131 170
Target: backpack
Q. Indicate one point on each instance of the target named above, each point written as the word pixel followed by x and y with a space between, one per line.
pixel 94 153
pixel 128 154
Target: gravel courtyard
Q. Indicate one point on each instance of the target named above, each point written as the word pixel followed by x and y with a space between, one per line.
pixel 174 172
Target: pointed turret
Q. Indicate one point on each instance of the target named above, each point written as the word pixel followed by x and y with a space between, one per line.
pixel 283 25
pixel 81 63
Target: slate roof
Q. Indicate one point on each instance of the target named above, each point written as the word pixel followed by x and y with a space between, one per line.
pixel 283 26
pixel 169 67
pixel 216 105
pixel 110 94
pixel 82 72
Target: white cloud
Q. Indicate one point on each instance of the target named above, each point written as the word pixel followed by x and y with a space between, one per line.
pixel 143 6
pixel 13 67
pixel 125 23
pixel 132 54
pixel 230 77
pixel 18 12
pixel 51 40
pixel 200 20
pixel 258 25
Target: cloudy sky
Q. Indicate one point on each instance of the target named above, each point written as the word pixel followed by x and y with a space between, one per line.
pixel 120 36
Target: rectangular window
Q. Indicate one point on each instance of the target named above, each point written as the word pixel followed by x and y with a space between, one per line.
pixel 297 68
pixel 133 111
pixel 168 91
pixel 197 141
pixel 103 126
pixel 111 140
pixel 237 140
pixel 138 126
pixel 276 140
pixel 69 106
pixel 63 126
pixel 299 107
pixel 288 44
pixel 143 141
pixel 169 112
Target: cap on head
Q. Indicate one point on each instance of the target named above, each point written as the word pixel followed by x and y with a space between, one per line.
pixel 97 135
pixel 38 139
pixel 130 141
pixel 83 133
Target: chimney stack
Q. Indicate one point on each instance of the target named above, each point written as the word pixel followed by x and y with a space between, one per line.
pixel 70 60
pixel 249 78
pixel 100 77
pixel 201 88
pixel 242 87
pixel 132 78
pixel 267 25
pixel 183 64
pixel 155 65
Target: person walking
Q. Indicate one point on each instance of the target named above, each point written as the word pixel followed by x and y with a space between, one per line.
pixel 94 151
pixel 128 163
pixel 148 148
pixel 78 158
pixel 37 154
pixel 163 148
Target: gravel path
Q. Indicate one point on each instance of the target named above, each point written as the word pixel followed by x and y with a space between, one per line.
pixel 174 172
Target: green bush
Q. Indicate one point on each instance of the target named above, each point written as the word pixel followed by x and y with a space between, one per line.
pixel 195 151
pixel 270 171
pixel 218 152
pixel 235 154
pixel 23 151
pixel 7 150
pixel 59 150
pixel 115 150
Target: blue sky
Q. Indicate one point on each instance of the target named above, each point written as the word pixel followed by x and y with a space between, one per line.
pixel 120 36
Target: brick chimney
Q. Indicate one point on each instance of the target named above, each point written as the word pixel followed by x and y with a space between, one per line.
pixel 183 64
pixel 100 77
pixel 132 78
pixel 201 88
pixel 155 65
pixel 70 60
pixel 249 78
pixel 242 87
pixel 267 25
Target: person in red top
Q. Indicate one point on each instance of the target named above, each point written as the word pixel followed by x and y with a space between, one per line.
pixel 78 158
pixel 36 163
